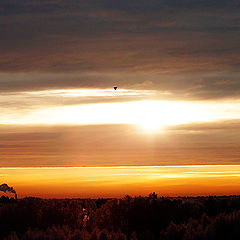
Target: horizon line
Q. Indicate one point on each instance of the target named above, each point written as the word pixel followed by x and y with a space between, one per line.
pixel 126 166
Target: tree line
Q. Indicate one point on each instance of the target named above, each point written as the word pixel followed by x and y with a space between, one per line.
pixel 128 218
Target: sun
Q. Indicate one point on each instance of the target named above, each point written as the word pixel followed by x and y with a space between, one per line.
pixel 150 127
pixel 149 117
pixel 150 122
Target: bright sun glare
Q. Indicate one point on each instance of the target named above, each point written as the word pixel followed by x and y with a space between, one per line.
pixel 150 126
pixel 151 116
pixel 155 115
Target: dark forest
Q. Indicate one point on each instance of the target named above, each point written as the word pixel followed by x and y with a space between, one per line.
pixel 133 218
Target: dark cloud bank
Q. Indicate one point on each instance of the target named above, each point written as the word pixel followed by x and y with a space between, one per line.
pixel 188 47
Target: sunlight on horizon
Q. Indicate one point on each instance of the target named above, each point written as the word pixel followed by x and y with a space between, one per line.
pixel 118 181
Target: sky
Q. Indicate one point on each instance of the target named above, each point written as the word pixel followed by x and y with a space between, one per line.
pixel 175 63
pixel 108 182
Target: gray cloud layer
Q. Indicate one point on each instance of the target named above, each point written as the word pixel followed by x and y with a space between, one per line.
pixel 188 47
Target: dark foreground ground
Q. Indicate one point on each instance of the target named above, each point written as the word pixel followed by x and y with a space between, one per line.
pixel 147 218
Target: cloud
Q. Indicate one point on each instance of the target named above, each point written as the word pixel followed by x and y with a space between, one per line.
pixel 60 36
pixel 172 45
pixel 198 85
pixel 205 143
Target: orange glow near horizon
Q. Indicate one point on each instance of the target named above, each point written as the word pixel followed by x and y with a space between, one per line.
pixel 84 182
